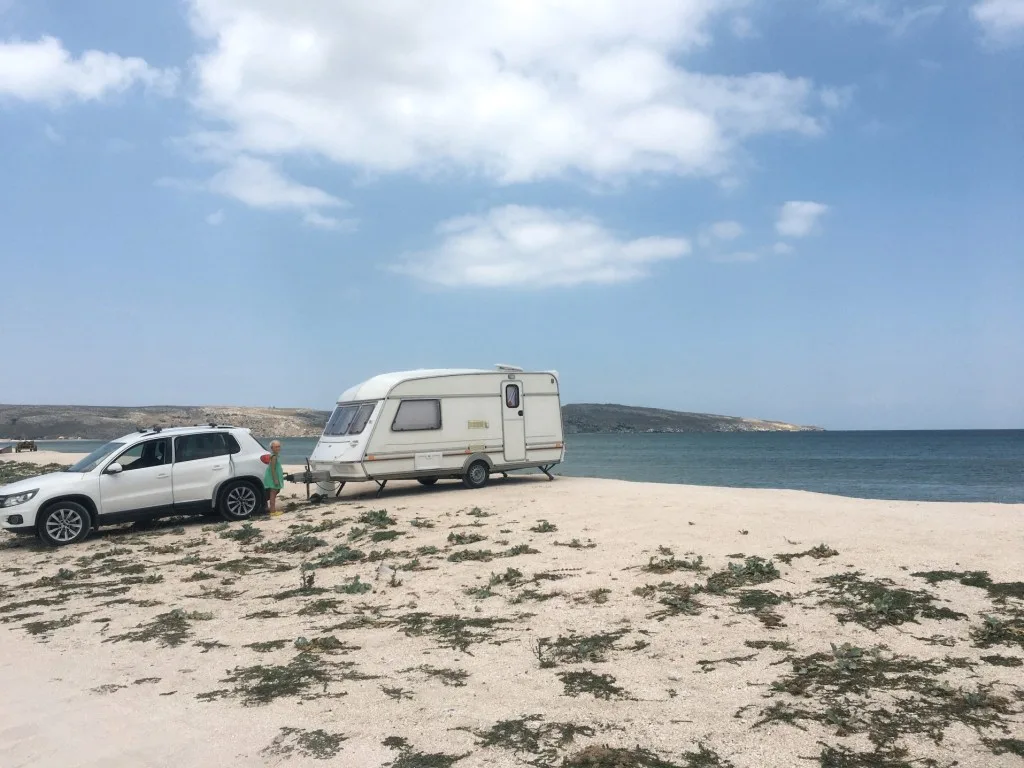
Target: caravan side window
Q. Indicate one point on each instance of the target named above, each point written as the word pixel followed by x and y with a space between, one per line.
pixel 414 415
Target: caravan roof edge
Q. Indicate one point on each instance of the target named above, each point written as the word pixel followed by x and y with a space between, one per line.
pixel 378 387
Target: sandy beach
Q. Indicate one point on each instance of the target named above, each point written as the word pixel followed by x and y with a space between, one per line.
pixel 569 623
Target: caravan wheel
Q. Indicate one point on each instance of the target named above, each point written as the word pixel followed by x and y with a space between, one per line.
pixel 426 480
pixel 476 475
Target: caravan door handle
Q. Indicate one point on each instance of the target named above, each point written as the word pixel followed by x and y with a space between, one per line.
pixel 520 411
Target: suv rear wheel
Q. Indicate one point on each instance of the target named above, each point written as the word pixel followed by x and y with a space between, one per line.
pixel 63 523
pixel 239 501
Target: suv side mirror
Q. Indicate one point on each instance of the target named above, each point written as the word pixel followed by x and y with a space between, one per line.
pixel 114 469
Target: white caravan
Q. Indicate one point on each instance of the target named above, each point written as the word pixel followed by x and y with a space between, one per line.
pixel 448 423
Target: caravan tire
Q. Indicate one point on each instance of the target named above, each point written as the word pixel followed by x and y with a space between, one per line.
pixel 426 480
pixel 476 475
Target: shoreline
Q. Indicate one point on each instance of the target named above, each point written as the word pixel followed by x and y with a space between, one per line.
pixel 369 488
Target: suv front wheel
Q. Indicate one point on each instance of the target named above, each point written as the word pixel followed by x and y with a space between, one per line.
pixel 63 523
pixel 239 501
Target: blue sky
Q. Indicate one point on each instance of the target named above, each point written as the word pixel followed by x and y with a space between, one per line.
pixel 800 211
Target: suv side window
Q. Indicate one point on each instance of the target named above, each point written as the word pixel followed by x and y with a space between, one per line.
pixel 204 445
pixel 150 453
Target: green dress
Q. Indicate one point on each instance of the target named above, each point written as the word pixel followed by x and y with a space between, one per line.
pixel 273 478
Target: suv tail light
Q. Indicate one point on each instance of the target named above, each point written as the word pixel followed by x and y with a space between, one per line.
pixel 265 458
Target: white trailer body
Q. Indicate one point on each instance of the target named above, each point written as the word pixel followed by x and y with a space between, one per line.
pixel 446 423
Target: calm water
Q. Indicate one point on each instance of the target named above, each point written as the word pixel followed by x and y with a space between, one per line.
pixel 925 466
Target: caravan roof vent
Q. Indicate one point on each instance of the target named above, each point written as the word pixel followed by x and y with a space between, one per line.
pixel 502 367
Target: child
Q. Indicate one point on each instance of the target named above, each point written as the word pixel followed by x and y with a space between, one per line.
pixel 273 478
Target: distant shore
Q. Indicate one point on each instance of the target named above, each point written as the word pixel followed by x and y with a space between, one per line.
pixel 52 422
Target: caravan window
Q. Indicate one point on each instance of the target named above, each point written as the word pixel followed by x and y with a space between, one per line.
pixel 349 420
pixel 362 416
pixel 512 395
pixel 414 415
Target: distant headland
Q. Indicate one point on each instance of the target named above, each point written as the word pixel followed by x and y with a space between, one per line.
pixel 53 422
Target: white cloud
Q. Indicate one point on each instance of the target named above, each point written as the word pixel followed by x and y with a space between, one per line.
pixel 798 218
pixel 535 248
pixel 215 219
pixel 44 71
pixel 782 249
pixel 726 230
pixel 720 231
pixel 259 184
pixel 320 221
pixel 1001 20
pixel 510 91
pixel 894 15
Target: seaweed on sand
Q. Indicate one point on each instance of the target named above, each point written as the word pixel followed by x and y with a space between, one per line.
pixel 410 759
pixel 577 682
pixel 596 756
pixel 169 629
pixel 754 570
pixel 676 599
pixel 302 677
pixel 342 554
pixel 457 632
pixel 999 631
pixel 292 545
pixel 461 539
pixel 531 735
pixel 760 603
pixel 668 563
pixel 318 744
pixel 879 602
pixel 576 649
pixel 377 518
pixel 884 696
pixel 454 678
pixel 819 552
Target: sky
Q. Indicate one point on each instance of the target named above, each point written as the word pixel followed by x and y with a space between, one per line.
pixel 803 211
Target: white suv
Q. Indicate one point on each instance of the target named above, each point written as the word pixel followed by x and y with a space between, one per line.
pixel 147 474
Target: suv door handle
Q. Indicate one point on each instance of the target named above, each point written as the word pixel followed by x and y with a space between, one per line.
pixel 163 475
pixel 218 466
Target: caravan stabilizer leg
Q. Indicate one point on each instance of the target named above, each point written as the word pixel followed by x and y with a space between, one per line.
pixel 341 486
pixel 380 489
pixel 546 471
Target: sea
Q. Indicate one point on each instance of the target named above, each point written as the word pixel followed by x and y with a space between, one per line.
pixel 918 466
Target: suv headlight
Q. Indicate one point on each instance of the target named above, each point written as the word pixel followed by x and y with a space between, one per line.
pixel 17 498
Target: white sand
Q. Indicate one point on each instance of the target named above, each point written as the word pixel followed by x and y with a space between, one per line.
pixel 673 706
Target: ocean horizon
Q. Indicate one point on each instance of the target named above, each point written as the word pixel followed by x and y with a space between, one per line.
pixel 918 465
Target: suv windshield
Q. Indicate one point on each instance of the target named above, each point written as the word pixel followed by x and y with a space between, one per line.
pixel 90 462
pixel 349 419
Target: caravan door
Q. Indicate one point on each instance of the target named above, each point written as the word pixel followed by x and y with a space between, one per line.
pixel 512 421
